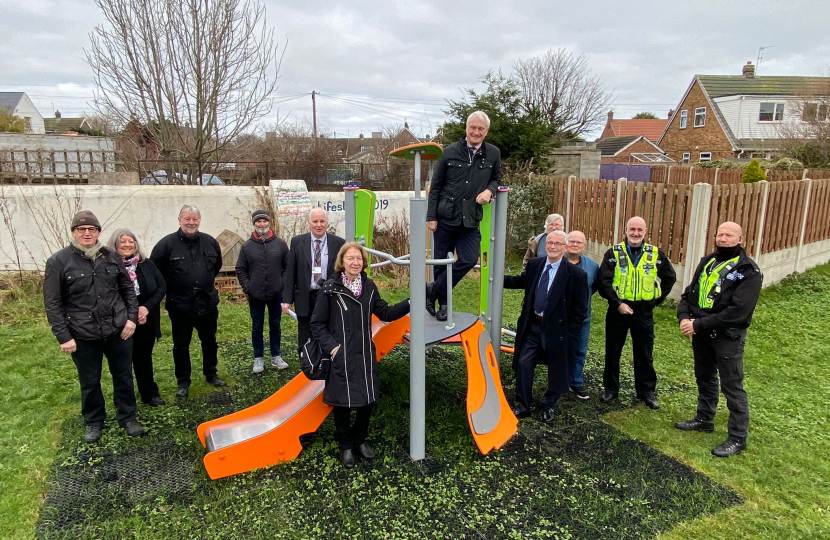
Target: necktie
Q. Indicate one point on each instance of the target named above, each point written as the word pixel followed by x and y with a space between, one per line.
pixel 542 291
pixel 317 259
pixel 472 153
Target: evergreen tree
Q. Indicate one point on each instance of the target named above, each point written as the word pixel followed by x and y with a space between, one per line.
pixel 754 173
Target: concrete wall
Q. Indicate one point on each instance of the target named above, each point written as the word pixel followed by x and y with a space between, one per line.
pixel 40 215
pixel 580 159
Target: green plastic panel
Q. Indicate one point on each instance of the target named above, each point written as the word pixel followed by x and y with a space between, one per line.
pixel 484 289
pixel 364 220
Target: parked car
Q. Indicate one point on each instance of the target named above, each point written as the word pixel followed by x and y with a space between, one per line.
pixel 211 180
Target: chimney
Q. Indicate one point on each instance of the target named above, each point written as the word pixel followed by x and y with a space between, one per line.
pixel 749 70
pixel 377 134
pixel 361 136
pixel 57 115
pixel 671 112
pixel 610 116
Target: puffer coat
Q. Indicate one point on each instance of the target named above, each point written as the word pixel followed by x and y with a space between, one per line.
pixel 341 319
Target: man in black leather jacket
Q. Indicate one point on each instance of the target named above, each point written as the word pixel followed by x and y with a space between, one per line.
pixel 189 261
pixel 466 177
pixel 90 304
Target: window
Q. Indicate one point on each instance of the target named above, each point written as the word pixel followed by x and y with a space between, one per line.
pixel 814 112
pixel 687 156
pixel 363 147
pixel 771 112
pixel 683 118
pixel 340 152
pixel 705 156
pixel 700 117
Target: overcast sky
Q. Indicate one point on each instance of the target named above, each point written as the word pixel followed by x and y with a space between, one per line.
pixel 382 62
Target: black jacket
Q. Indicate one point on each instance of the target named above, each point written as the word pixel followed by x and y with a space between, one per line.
pixel 298 273
pixel 341 319
pixel 457 180
pixel 565 312
pixel 85 299
pixel 189 266
pixel 261 266
pixel 151 291
pixel 734 305
pixel 665 273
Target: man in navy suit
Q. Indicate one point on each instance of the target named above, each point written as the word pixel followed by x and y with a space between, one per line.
pixel 554 308
pixel 310 262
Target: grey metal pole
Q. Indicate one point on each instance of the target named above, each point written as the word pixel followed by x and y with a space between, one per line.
pixel 497 270
pixel 488 315
pixel 417 334
pixel 450 324
pixel 349 207
pixel 417 174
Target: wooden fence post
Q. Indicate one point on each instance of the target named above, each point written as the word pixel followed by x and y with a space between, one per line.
pixel 621 192
pixel 804 174
pixel 698 230
pixel 717 170
pixel 571 179
pixel 803 224
pixel 668 175
pixel 760 239
pixel 690 175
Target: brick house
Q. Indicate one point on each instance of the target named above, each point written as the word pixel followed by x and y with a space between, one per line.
pixel 649 127
pixel 736 116
pixel 631 149
pixel 373 149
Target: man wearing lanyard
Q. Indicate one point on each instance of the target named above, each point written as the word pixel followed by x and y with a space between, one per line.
pixel 466 177
pixel 634 277
pixel 310 262
pixel 553 311
pixel 714 312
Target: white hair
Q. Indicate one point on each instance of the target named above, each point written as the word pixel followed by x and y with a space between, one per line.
pixel 553 217
pixel 190 209
pixel 481 115
pixel 563 234
pixel 116 237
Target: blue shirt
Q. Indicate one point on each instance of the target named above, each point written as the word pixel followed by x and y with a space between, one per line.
pixel 592 269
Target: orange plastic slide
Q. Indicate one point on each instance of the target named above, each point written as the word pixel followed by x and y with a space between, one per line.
pixel 269 432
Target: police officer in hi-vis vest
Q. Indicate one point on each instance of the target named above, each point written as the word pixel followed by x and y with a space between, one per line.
pixel 634 277
pixel 714 312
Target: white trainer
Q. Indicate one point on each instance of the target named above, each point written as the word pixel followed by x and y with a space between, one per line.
pixel 278 362
pixel 259 365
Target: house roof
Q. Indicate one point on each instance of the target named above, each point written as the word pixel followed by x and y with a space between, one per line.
pixel 612 146
pixel 736 85
pixel 650 128
pixel 10 99
pixel 62 125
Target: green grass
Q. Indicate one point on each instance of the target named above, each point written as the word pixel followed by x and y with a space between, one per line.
pixel 579 478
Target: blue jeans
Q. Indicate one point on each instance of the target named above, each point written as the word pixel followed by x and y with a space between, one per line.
pixel 257 309
pixel 579 358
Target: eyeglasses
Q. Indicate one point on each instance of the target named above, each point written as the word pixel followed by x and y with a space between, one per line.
pixel 556 244
pixel 84 230
pixel 576 242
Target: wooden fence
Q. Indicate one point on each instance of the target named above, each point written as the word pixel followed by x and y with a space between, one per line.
pixel 772 214
pixel 54 166
pixel 690 175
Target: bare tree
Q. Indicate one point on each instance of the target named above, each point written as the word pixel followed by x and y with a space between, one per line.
pixel 562 88
pixel 194 73
pixel 805 132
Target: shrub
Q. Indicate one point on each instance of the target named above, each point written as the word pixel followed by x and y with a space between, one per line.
pixel 788 164
pixel 529 205
pixel 753 173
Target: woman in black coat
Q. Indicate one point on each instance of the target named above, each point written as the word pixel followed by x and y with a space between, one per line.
pixel 342 325
pixel 150 289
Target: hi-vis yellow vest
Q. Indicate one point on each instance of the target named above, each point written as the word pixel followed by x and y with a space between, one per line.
pixel 711 280
pixel 636 282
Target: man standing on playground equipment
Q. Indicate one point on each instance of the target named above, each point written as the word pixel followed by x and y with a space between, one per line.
pixel 466 177
pixel 310 262
pixel 634 277
pixel 553 311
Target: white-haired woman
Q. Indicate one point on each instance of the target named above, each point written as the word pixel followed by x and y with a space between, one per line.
pixel 536 245
pixel 150 289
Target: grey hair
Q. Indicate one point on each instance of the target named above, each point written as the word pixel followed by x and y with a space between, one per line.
pixel 563 234
pixel 190 209
pixel 553 217
pixel 481 115
pixel 116 237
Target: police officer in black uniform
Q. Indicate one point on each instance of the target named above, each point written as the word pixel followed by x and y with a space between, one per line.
pixel 714 312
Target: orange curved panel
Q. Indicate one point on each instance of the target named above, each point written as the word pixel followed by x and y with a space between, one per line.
pixel 491 419
pixel 276 424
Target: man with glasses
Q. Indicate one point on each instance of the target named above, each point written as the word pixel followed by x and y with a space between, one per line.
pixel 635 277
pixel 553 312
pixel 91 305
pixel 576 245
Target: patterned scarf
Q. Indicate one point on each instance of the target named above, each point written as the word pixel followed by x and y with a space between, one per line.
pixel 355 286
pixel 131 264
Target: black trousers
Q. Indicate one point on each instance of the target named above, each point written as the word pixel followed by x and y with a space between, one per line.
pixel 144 340
pixel 88 358
pixel 717 353
pixel 304 323
pixel 526 369
pixel 617 327
pixel 182 329
pixel 351 435
pixel 467 245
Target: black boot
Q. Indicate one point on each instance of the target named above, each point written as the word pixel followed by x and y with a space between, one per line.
pixel 431 298
pixel 347 458
pixel 365 451
pixel 441 315
pixel 696 424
